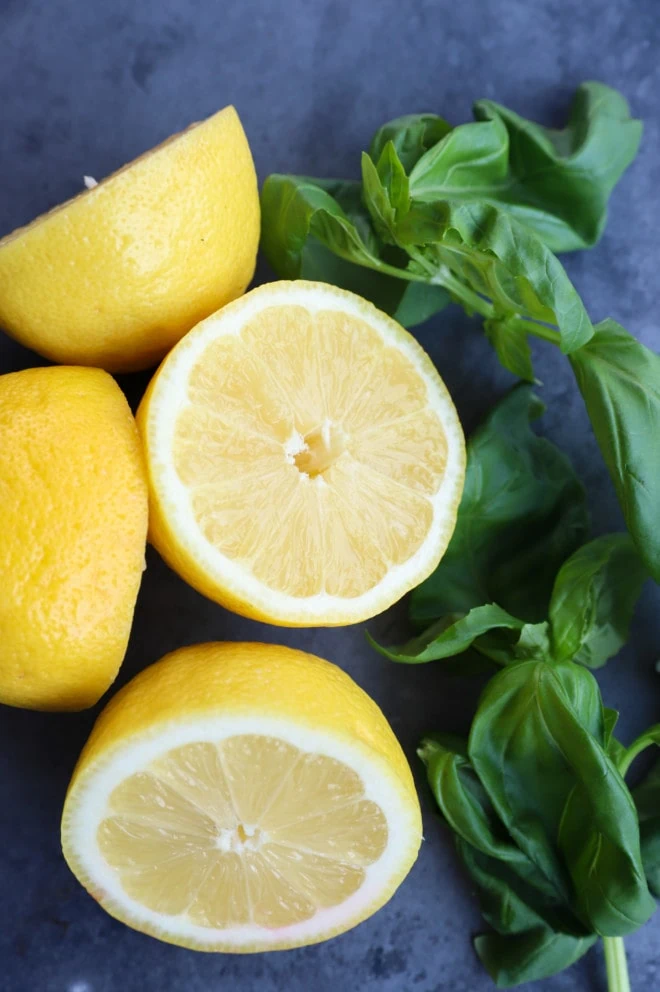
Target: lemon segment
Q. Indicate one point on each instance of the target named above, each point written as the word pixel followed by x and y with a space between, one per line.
pixel 241 797
pixel 305 459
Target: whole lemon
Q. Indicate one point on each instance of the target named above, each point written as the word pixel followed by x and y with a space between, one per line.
pixel 116 276
pixel 73 522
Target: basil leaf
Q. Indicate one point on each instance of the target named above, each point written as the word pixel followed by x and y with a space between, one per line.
pixel 647 802
pixel 614 748
pixel 620 383
pixel 537 745
pixel 385 191
pixel 646 739
pixel 467 809
pixel 509 339
pixel 296 207
pixel 509 904
pixel 533 642
pixel 418 302
pixel 593 600
pixel 445 639
pixel 559 182
pixel 411 136
pixel 499 258
pixel 522 514
pixel 529 956
pixel 393 179
pixel 470 157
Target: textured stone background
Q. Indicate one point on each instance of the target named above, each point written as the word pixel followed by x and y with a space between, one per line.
pixel 84 87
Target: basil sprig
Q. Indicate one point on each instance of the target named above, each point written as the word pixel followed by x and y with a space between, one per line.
pixel 559 850
pixel 473 214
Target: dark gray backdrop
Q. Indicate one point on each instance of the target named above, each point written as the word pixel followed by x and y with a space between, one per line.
pixel 86 86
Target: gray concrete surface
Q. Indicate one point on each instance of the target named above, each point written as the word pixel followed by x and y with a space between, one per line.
pixel 85 87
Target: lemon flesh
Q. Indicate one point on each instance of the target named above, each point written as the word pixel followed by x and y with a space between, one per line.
pixel 306 460
pixel 248 830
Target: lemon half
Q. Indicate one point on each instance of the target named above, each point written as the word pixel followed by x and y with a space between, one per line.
pixel 73 530
pixel 114 277
pixel 305 458
pixel 241 797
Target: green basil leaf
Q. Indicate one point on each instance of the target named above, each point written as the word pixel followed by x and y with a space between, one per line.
pixel 647 801
pixel 393 178
pixel 522 514
pixel 385 192
pixel 418 302
pixel 293 208
pixel 377 201
pixel 501 259
pixel 451 636
pixel 593 600
pixel 559 182
pixel 537 745
pixel 348 195
pixel 510 341
pixel 467 809
pixel 614 748
pixel 534 642
pixel 529 956
pixel 620 383
pixel 509 903
pixel 411 136
pixel 469 158
pixel 646 739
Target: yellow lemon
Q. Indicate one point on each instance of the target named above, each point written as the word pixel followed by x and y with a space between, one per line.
pixel 241 797
pixel 305 459
pixel 73 522
pixel 116 276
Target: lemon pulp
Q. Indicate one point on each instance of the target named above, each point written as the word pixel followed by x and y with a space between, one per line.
pixel 310 451
pixel 249 830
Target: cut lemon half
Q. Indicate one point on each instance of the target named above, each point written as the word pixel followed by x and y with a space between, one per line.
pixel 241 797
pixel 305 458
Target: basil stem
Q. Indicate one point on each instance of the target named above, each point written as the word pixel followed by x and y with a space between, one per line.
pixel 616 964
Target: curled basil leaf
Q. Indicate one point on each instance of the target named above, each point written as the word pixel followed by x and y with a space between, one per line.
pixel 468 810
pixel 619 379
pixel 522 514
pixel 470 159
pixel 515 959
pixel 411 135
pixel 559 182
pixel 452 636
pixel 593 600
